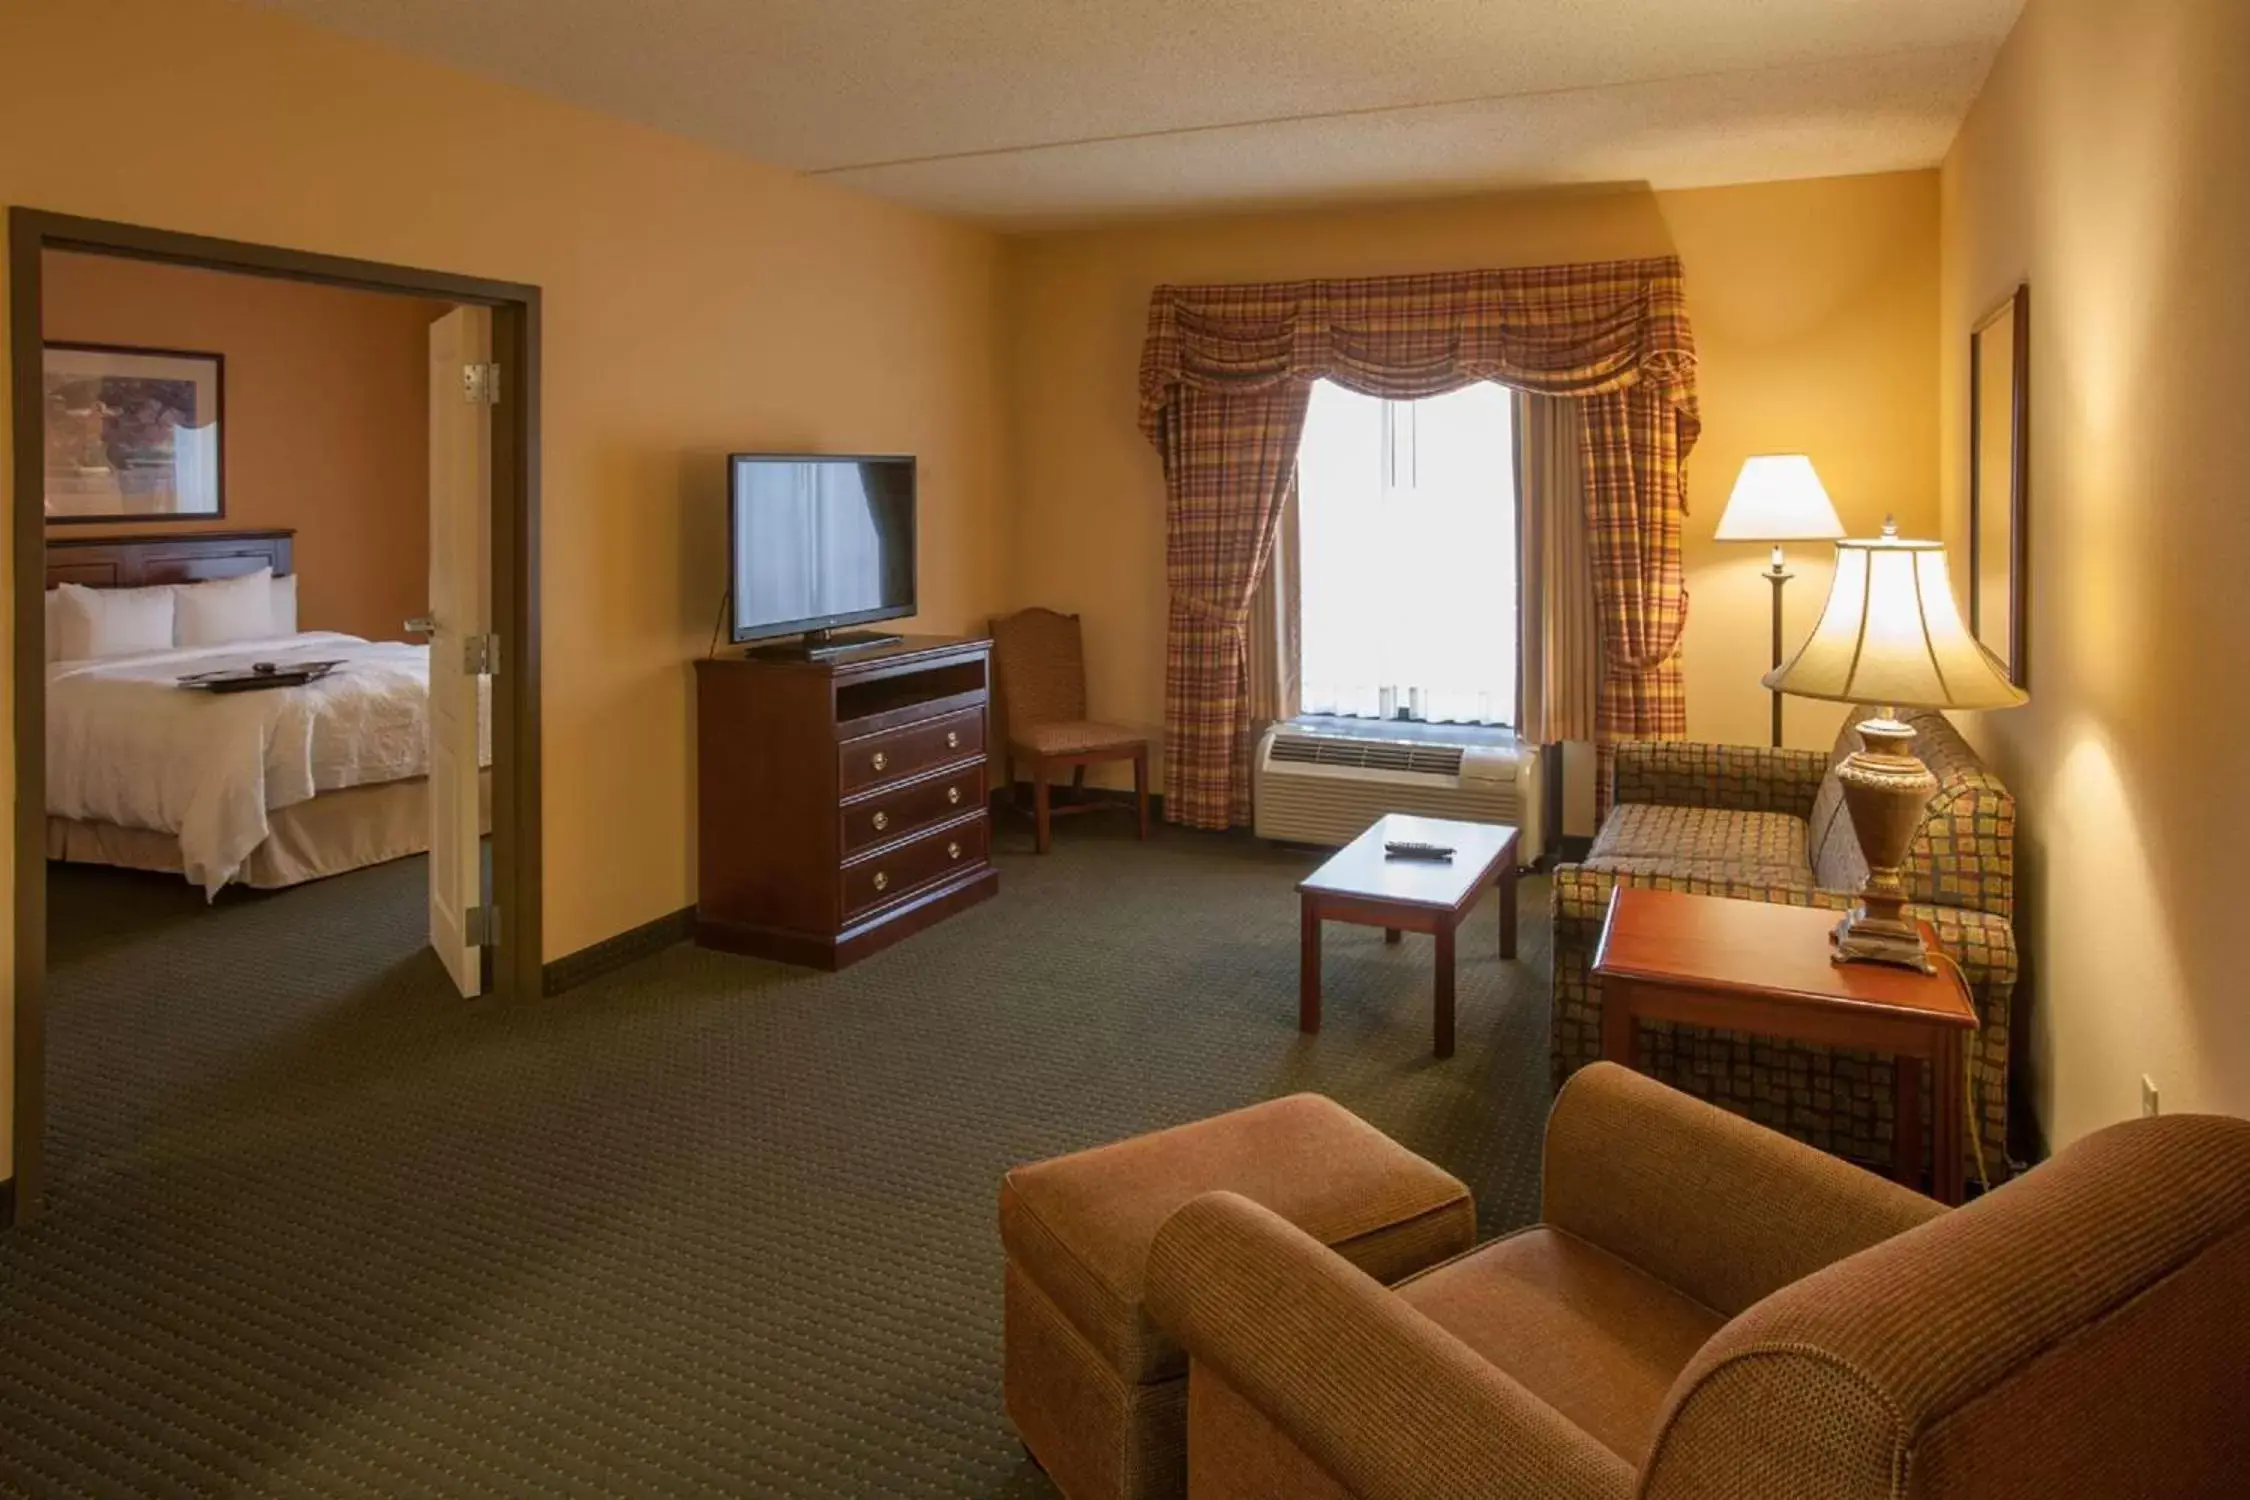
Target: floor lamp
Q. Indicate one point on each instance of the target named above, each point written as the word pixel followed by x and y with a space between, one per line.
pixel 1778 498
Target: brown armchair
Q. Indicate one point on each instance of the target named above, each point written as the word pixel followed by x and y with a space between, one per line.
pixel 1713 1310
pixel 1041 662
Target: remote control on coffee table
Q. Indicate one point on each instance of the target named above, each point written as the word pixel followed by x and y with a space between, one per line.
pixel 1409 849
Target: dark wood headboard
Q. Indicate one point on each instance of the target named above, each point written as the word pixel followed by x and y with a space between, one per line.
pixel 124 562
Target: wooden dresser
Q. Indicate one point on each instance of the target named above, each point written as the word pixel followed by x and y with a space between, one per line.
pixel 841 804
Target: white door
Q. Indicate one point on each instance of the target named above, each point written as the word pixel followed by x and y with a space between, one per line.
pixel 459 613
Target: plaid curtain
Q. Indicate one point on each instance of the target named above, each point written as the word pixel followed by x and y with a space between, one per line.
pixel 1230 460
pixel 1225 376
pixel 1636 497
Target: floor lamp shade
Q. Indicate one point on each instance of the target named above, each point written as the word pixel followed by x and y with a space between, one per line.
pixel 1778 498
pixel 1890 635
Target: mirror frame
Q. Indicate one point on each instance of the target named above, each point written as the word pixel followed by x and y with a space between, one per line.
pixel 2018 499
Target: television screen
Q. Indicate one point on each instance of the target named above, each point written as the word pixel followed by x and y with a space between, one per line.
pixel 819 542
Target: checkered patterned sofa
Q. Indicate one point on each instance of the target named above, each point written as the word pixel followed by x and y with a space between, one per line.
pixel 1771 825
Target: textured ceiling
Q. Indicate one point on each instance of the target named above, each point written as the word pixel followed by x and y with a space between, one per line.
pixel 1021 111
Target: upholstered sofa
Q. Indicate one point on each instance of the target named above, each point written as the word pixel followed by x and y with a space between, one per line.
pixel 1771 825
pixel 1710 1310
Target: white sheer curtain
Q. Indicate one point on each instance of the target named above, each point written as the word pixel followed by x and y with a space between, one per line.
pixel 1407 551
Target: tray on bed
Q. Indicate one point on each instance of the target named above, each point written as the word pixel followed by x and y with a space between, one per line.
pixel 260 675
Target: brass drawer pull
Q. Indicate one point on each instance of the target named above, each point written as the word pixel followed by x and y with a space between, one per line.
pixel 882 881
pixel 953 739
pixel 953 851
pixel 882 821
pixel 881 760
pixel 953 794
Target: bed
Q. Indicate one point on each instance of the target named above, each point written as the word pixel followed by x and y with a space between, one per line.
pixel 265 789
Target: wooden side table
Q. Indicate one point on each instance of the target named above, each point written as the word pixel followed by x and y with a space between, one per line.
pixel 1760 967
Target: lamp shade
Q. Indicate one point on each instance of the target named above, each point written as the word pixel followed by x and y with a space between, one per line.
pixel 1891 634
pixel 1778 498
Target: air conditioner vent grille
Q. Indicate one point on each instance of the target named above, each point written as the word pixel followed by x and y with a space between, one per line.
pixel 1368 755
pixel 1315 788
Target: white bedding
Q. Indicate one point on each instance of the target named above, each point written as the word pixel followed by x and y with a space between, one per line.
pixel 126 744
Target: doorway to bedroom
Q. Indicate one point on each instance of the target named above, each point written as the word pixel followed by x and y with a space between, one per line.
pixel 271 786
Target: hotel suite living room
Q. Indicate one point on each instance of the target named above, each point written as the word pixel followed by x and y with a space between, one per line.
pixel 1381 748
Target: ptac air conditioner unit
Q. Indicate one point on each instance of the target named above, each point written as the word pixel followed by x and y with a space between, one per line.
pixel 1326 787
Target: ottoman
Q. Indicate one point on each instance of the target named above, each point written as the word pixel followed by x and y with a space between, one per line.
pixel 1097 1392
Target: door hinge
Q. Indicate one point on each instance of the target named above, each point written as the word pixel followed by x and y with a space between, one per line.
pixel 480 384
pixel 480 927
pixel 480 655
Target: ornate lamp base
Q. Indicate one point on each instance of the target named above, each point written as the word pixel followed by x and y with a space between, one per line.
pixel 1863 939
pixel 1886 788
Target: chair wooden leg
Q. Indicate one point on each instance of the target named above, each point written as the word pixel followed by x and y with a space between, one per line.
pixel 1140 788
pixel 1078 777
pixel 1041 819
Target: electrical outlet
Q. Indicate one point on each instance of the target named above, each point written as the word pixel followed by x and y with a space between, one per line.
pixel 2148 1097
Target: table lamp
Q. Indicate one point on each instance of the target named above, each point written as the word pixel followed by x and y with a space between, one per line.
pixel 1778 498
pixel 1890 635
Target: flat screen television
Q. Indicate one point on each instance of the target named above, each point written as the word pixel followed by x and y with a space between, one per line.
pixel 816 541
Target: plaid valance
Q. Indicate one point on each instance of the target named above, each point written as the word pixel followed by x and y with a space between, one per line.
pixel 1225 376
pixel 1551 330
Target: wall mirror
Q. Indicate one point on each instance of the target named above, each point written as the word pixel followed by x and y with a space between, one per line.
pixel 1999 500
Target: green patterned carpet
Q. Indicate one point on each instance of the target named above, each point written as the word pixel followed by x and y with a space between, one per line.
pixel 705 1226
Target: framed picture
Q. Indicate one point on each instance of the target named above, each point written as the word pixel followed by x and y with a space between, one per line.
pixel 133 434
pixel 1999 477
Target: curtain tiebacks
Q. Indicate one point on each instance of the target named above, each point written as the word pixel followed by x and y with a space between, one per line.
pixel 1620 663
pixel 1235 620
pixel 1627 670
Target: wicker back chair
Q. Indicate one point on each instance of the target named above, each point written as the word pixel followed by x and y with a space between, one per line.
pixel 1039 657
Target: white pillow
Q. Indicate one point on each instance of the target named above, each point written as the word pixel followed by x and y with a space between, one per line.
pixel 226 610
pixel 54 613
pixel 285 604
pixel 91 623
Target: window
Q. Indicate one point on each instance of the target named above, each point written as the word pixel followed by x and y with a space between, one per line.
pixel 1407 555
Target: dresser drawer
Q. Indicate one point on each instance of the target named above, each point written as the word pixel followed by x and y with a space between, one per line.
pixel 882 878
pixel 879 759
pixel 895 812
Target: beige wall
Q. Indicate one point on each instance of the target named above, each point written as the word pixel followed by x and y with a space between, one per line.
pixel 2103 163
pixel 326 419
pixel 694 303
pixel 1815 309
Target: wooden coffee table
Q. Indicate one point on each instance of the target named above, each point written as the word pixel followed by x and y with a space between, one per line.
pixel 1362 884
pixel 1760 967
